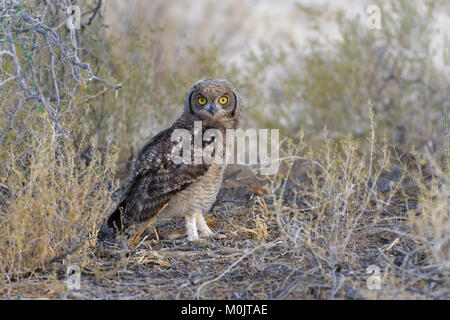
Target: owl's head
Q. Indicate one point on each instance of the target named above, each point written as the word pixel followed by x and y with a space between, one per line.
pixel 214 100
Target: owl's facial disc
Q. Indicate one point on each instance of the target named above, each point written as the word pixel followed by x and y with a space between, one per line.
pixel 213 107
pixel 212 103
pixel 211 99
pixel 220 102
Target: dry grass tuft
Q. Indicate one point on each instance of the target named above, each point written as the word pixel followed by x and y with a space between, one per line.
pixel 50 212
pixel 352 210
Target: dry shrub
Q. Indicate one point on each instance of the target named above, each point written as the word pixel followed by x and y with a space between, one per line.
pixel 396 67
pixel 354 209
pixel 340 188
pixel 430 221
pixel 56 181
pixel 55 205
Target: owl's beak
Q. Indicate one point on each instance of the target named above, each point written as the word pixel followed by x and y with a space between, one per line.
pixel 212 108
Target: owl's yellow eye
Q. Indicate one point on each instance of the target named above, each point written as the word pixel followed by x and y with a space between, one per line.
pixel 223 100
pixel 201 101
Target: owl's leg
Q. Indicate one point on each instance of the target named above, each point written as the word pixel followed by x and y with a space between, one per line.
pixel 202 225
pixel 191 227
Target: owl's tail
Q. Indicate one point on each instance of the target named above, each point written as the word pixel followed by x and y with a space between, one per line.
pixel 113 225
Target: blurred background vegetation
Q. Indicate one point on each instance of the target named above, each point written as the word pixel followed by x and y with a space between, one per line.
pixel 296 65
pixel 69 132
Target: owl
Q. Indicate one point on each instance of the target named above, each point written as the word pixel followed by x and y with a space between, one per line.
pixel 183 189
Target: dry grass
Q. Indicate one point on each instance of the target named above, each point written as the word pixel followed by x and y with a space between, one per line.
pixel 353 210
pixel 50 212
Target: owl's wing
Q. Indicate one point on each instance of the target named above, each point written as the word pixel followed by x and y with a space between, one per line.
pixel 155 179
pixel 154 149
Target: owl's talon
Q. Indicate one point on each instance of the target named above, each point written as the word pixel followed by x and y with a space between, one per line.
pixel 191 237
pixel 219 235
pixel 208 234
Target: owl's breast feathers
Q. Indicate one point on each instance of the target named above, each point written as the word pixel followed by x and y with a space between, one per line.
pixel 156 178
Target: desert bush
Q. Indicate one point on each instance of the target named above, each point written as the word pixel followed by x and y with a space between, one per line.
pixel 55 179
pixel 331 81
pixel 348 199
pixel 55 205
pixel 430 221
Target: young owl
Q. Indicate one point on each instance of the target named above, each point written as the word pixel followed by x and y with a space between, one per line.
pixel 188 189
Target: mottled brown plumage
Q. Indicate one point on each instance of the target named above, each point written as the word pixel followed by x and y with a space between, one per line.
pixel 189 189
